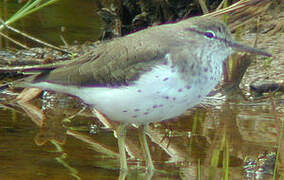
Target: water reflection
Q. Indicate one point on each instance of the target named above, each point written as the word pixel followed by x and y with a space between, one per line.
pixel 236 139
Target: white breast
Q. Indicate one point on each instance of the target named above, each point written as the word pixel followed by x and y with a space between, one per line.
pixel 157 95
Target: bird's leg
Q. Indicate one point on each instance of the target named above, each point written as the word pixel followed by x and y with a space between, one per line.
pixel 145 147
pixel 121 133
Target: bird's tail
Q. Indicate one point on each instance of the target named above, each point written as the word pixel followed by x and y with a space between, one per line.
pixel 19 83
pixel 30 70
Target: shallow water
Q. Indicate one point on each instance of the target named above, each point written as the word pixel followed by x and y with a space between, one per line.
pixel 50 138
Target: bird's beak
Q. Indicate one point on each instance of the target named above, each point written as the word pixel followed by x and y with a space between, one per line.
pixel 241 47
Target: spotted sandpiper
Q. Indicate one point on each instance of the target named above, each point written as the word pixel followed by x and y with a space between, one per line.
pixel 148 76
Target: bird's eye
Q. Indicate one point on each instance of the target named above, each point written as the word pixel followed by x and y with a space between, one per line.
pixel 209 34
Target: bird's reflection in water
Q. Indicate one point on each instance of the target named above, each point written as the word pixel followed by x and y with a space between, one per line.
pixel 200 143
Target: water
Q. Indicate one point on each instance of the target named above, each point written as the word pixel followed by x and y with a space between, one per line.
pixel 63 143
pixel 64 18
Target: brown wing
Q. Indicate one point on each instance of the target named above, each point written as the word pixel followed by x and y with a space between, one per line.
pixel 123 60
pixel 114 63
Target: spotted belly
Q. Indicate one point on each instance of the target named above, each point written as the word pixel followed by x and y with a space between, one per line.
pixel 157 95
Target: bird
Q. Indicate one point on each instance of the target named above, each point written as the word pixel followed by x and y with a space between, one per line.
pixel 148 76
